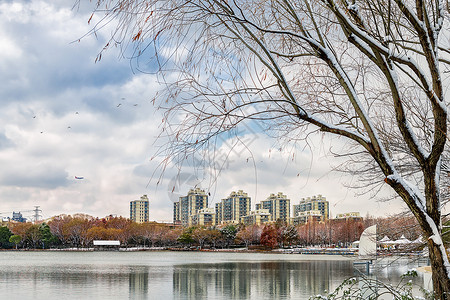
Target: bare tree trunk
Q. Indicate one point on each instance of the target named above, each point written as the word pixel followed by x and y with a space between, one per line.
pixel 440 276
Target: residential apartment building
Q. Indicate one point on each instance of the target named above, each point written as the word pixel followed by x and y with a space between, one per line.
pixel 17 216
pixel 303 217
pixel 176 213
pixel 279 207
pixel 139 210
pixel 195 200
pixel 230 210
pixel 204 217
pixel 256 217
pixel 314 203
pixel 349 216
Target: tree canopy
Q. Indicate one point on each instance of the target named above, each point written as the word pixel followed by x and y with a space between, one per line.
pixel 5 234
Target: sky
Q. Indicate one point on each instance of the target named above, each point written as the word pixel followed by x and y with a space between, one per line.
pixel 64 116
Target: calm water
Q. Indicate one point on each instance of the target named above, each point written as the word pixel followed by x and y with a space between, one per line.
pixel 173 275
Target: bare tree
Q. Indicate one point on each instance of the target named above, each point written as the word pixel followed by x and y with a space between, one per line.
pixel 250 234
pixel 153 232
pixel 373 72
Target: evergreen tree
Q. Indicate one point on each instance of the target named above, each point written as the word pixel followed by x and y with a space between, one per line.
pixel 5 234
pixel 47 238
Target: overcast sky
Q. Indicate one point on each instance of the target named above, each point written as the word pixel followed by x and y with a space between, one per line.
pixel 63 115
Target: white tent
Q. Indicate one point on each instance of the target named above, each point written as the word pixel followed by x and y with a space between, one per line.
pixel 402 240
pixel 385 239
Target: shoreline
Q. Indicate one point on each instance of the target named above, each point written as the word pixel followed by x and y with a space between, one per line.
pixel 303 251
pixel 311 252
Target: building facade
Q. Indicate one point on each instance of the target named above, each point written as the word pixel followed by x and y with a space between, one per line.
pixel 230 210
pixel 139 210
pixel 17 216
pixel 256 217
pixel 204 217
pixel 349 216
pixel 176 213
pixel 195 200
pixel 279 207
pixel 314 203
pixel 307 216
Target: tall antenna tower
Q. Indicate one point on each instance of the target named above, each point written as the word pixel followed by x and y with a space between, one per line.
pixel 37 213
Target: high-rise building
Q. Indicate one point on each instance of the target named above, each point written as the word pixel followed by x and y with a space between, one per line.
pixel 232 209
pixel 279 207
pixel 139 210
pixel 176 213
pixel 314 203
pixel 186 206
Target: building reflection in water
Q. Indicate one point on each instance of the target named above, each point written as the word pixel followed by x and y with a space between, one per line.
pixel 175 279
pixel 276 279
pixel 138 285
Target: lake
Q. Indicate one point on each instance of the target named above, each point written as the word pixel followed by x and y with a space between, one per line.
pixel 176 275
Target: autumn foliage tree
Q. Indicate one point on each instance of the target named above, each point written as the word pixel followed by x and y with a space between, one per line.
pixel 56 225
pixel 269 237
pixel 23 230
pixel 75 231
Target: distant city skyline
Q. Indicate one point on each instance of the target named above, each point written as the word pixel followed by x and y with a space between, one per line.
pixel 253 206
pixel 145 214
pixel 192 209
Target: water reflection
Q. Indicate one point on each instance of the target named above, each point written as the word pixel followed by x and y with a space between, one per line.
pixel 168 276
pixel 241 280
pixel 138 285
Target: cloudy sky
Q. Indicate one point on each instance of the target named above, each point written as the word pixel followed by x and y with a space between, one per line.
pixel 63 115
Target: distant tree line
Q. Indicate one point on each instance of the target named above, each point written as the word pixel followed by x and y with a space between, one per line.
pixel 80 230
